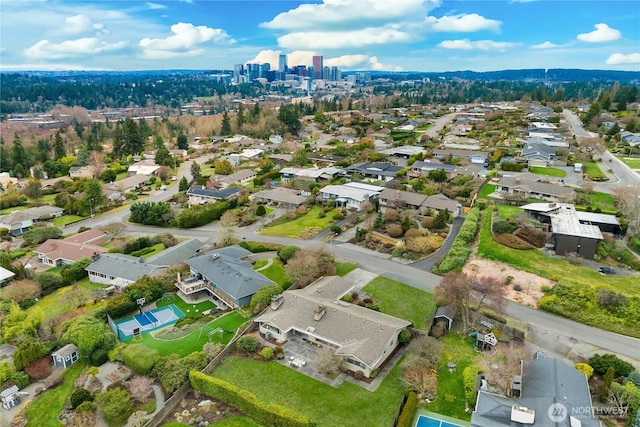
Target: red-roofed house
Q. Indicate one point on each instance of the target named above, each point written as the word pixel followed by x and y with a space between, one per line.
pixel 56 252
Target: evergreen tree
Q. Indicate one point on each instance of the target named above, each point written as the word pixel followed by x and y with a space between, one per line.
pixel 183 185
pixel 182 142
pixel 134 143
pixel 118 142
pixel 195 171
pixel 240 117
pixel 255 112
pixel 17 151
pixel 58 147
pixel 226 125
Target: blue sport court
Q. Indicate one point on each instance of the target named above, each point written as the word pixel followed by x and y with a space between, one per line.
pixel 145 322
pixel 426 421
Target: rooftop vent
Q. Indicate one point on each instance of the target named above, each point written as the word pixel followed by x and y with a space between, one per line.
pixel 215 256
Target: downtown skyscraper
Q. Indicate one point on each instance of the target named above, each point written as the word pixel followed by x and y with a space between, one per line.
pixel 317 66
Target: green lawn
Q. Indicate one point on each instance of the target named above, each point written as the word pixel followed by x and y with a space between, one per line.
pixel 508 212
pixel 189 310
pixel 604 201
pixel 343 268
pixel 45 409
pixel 457 349
pixel 593 171
pixel 557 173
pixel 633 163
pixel 66 219
pixel 59 301
pixel 345 406
pixel 488 189
pixel 275 272
pixel 157 248
pixel 403 301
pixel 9 210
pixel 194 341
pixel 237 422
pixel 294 227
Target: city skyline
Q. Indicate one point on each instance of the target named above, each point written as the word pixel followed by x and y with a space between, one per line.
pixel 404 35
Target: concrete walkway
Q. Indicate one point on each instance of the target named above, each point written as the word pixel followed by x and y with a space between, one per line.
pixel 159 396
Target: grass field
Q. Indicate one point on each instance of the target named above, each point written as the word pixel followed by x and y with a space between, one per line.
pixel 194 341
pixel 343 268
pixel 294 227
pixel 604 201
pixel 557 173
pixel 189 310
pixel 45 409
pixel 593 171
pixel 508 212
pixel 347 406
pixel 488 189
pixel 66 219
pixel 66 299
pixel 275 272
pixel 403 301
pixel 157 248
pixel 633 163
pixel 457 349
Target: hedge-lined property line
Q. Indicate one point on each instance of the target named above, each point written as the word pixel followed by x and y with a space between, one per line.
pixel 263 413
pixel 408 411
pixel 460 251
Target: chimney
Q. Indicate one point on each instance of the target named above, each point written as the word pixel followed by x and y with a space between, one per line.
pixel 178 277
pixel 319 312
pixel 518 181
pixel 276 302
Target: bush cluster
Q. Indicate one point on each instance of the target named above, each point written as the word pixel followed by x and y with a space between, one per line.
pixel 139 357
pixel 503 227
pixel 602 362
pixel 459 252
pixel 247 402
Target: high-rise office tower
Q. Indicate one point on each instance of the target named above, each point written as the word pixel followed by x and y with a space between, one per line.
pixel 282 63
pixel 317 66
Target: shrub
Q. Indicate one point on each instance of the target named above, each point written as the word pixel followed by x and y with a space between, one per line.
pixel 405 336
pixel 338 216
pixel 139 358
pixel 601 363
pixel 390 215
pixel 286 253
pixel 427 222
pixel 347 298
pixel 99 357
pixel 634 377
pixel 322 214
pixel 585 368
pixel 142 252
pixel 394 230
pixel 408 411
pixel 79 396
pixel 469 376
pixel 53 380
pixel 261 210
pixel 247 344
pixel 336 229
pixel 114 402
pixel 40 369
pixel 503 227
pixel 267 353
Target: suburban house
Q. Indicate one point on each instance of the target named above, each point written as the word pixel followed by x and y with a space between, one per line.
pixel 574 231
pixel 548 394
pixel 143 167
pixel 226 275
pixel 242 177
pixel 479 158
pixel 200 195
pixel 351 195
pixel 375 171
pixel 20 221
pixel 404 151
pixel 128 184
pixel 633 139
pixel 528 185
pixel 283 197
pixel 121 270
pixel 82 171
pixel 422 168
pixel 364 339
pixel 309 174
pixel 538 154
pixel 396 199
pixel 6 276
pixel 56 252
pixel 66 356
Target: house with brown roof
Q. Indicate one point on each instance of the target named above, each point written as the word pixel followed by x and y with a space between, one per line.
pixel 396 199
pixel 528 185
pixel 56 252
pixel 285 197
pixel 363 338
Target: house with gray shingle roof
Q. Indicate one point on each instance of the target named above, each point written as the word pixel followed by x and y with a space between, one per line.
pixel 20 221
pixel 396 199
pixel 364 339
pixel 529 185
pixel 285 197
pixel 199 195
pixel 226 275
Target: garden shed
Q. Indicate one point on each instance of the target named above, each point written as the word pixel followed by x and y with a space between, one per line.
pixel 66 356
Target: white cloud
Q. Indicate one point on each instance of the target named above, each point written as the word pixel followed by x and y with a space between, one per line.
pixel 545 45
pixel 85 46
pixel 332 14
pixel 374 64
pixel 483 45
pixel 187 41
pixel 602 33
pixel 348 62
pixel 82 24
pixel 320 40
pixel 621 58
pixel 298 57
pixel 462 23
pixel 155 6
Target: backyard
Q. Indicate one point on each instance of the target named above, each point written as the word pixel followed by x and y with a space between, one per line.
pixel 189 310
pixel 403 301
pixel 274 272
pixel 301 225
pixel 347 405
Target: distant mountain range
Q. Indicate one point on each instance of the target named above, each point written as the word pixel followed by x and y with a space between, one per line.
pixel 552 75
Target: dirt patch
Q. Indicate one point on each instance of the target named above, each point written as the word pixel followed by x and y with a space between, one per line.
pixel 530 285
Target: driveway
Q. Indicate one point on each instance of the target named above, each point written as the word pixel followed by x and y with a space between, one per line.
pixel 429 262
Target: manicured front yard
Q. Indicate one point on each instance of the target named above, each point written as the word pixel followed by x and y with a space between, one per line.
pixel 606 202
pixel 593 171
pixel 633 163
pixel 45 409
pixel 403 301
pixel 66 219
pixel 194 341
pixel 294 228
pixel 343 268
pixel 189 310
pixel 558 173
pixel 157 248
pixel 345 406
pixel 275 272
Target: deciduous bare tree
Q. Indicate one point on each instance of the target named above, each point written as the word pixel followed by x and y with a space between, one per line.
pixel 628 201
pixel 140 388
pixel 228 220
pixel 422 380
pixel 114 228
pixel 309 264
pixel 507 363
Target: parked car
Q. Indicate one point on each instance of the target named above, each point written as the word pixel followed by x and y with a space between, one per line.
pixel 606 270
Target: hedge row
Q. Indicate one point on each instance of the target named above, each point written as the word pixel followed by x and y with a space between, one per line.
pixel 408 411
pixel 469 378
pixel 459 252
pixel 263 413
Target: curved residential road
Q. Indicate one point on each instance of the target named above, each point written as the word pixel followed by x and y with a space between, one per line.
pixel 428 263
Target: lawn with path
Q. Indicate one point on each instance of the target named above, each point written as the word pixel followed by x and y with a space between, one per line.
pixel 197 339
pixel 403 301
pixel 293 228
pixel 346 406
pixel 274 272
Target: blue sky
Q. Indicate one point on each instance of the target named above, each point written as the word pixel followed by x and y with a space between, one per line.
pixel 402 35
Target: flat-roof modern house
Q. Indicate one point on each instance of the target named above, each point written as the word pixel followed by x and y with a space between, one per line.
pixel 143 167
pixel 404 151
pixel 351 195
pixel 309 174
pixel 552 394
pixel 364 339
pixel 226 275
pixel 480 158
pixel 56 252
pixel 573 231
